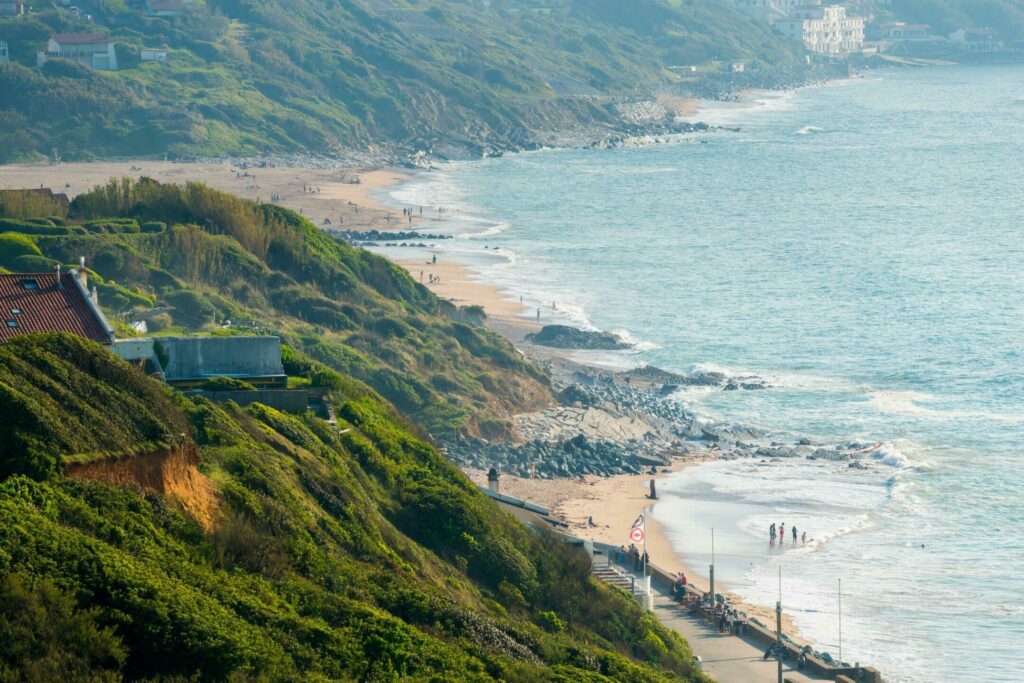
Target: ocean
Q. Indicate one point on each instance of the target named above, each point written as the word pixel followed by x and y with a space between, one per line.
pixel 860 246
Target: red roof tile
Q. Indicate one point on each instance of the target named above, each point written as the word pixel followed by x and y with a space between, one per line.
pixel 46 308
pixel 80 38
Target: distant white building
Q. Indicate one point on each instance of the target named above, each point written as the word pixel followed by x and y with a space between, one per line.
pixel 737 67
pixel 897 30
pixel 94 50
pixel 11 8
pixel 151 55
pixel 976 40
pixel 824 29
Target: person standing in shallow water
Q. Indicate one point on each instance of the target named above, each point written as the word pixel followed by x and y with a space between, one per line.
pixel 771 533
pixel 803 538
pixel 794 535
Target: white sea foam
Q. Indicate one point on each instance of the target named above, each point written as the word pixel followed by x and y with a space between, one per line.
pixel 638 345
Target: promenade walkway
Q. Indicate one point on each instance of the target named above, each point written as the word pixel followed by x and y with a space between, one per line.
pixel 726 658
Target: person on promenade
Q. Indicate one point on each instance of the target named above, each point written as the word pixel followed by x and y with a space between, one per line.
pixel 645 560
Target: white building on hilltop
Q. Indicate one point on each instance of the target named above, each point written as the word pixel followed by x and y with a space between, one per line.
pixel 94 50
pixel 824 29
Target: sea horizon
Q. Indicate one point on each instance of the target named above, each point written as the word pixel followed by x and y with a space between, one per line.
pixel 812 250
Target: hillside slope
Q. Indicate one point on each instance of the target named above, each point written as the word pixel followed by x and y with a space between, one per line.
pixel 386 77
pixel 209 257
pixel 345 554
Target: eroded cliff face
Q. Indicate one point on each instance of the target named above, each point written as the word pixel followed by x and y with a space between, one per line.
pixel 173 473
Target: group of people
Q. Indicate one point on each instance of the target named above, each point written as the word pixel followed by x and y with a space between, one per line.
pixel 779 532
pixel 725 618
pixel 634 557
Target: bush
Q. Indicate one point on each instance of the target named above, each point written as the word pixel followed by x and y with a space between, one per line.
pixel 191 307
pixel 47 638
pixel 33 264
pixel 12 246
pixel 226 384
pixel 160 321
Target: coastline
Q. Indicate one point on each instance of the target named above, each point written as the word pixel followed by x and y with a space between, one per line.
pixel 366 206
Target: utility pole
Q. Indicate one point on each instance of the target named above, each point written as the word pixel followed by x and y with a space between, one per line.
pixel 840 621
pixel 712 572
pixel 778 628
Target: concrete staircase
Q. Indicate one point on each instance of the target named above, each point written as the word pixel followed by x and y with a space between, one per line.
pixel 612 575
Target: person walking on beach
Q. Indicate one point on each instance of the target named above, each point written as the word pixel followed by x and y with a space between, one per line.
pixel 803 538
pixel 782 532
pixel 538 313
pixel 794 535
pixel 771 533
pixel 434 259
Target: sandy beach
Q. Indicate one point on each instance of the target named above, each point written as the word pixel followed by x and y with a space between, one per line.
pixel 346 198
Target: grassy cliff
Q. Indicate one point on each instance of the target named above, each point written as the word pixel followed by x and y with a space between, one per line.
pixel 210 257
pixel 324 76
pixel 338 553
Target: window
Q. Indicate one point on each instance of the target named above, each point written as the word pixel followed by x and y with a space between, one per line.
pixel 12 323
pixel 30 284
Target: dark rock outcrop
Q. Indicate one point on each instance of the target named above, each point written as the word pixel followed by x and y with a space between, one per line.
pixel 566 337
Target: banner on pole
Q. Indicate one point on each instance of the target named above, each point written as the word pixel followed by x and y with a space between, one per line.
pixel 636 534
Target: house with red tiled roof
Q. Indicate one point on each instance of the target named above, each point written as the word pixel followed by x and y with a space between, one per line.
pixel 51 302
pixel 95 50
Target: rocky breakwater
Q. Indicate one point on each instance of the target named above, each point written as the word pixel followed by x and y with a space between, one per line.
pixel 634 422
pixel 566 337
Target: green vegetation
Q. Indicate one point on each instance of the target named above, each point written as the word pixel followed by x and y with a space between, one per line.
pixel 353 552
pixel 249 76
pixel 216 257
pixel 946 16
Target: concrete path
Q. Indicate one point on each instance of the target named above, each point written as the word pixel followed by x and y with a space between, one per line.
pixel 726 658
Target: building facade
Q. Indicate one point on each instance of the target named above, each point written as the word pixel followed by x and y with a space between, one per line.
pixel 824 29
pixel 94 50
pixel 11 8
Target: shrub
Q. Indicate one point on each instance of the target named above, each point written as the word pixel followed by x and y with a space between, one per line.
pixel 160 321
pixel 47 637
pixel 12 246
pixel 32 264
pixel 550 622
pixel 226 384
pixel 191 307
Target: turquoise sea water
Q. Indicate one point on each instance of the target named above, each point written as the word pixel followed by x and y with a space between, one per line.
pixel 860 246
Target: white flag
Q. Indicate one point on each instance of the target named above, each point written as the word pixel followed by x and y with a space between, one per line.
pixel 636 534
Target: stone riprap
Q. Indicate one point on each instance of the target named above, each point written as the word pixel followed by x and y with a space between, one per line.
pixel 606 427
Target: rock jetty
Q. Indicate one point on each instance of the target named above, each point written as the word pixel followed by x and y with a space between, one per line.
pixel 566 337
